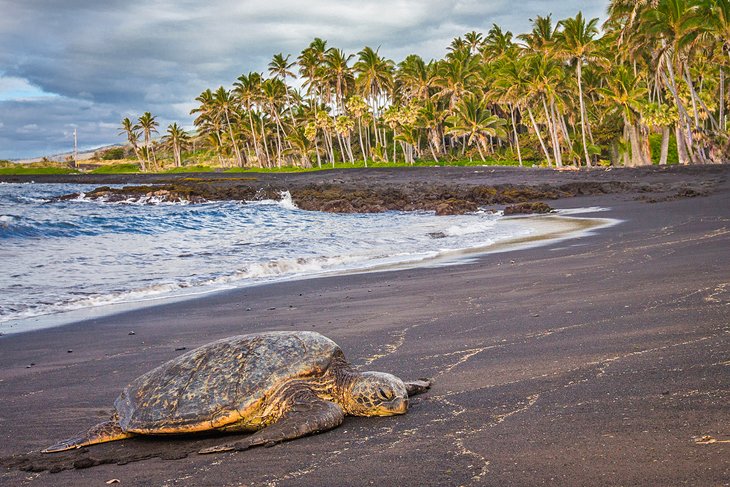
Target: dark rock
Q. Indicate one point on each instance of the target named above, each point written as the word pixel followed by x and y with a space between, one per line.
pixel 528 209
pixel 455 207
pixel 337 206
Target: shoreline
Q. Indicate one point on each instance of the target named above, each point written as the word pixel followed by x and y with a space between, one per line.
pixel 609 351
pixel 545 229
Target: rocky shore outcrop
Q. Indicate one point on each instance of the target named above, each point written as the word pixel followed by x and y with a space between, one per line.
pixel 445 191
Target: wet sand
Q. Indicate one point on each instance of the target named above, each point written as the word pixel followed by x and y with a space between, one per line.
pixel 602 360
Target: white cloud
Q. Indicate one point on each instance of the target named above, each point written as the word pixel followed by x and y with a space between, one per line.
pixel 117 57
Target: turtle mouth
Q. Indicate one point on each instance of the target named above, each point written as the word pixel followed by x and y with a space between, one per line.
pixel 398 405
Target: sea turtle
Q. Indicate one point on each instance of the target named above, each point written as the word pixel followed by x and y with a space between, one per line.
pixel 278 385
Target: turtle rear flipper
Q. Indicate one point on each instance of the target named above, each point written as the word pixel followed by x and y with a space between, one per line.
pixel 307 415
pixel 100 433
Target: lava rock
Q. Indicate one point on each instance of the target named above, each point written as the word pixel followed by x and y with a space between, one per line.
pixel 528 209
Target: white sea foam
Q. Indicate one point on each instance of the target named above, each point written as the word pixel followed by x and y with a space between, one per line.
pixel 580 211
pixel 92 255
pixel 7 220
pixel 471 228
pixel 286 201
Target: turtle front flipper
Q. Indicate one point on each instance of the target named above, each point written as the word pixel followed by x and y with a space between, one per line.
pixel 418 386
pixel 100 433
pixel 307 415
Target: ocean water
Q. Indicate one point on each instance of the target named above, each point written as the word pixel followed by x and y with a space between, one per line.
pixel 61 256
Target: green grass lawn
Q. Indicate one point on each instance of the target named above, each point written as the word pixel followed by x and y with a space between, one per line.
pixel 4 171
pixel 132 168
pixel 116 169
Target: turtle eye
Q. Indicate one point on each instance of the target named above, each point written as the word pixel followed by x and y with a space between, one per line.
pixel 385 395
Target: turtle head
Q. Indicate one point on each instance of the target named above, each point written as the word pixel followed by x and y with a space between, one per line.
pixel 376 394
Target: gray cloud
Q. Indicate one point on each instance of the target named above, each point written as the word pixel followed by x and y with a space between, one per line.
pixel 105 60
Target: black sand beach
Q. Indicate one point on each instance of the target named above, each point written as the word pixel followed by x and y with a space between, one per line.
pixel 603 360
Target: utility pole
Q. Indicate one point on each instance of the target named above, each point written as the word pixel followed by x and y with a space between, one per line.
pixel 76 151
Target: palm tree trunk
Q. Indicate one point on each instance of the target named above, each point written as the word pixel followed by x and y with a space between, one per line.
pixel 233 140
pixel 147 149
pixel 348 142
pixel 684 117
pixel 695 96
pixel 479 143
pixel 643 132
pixel 579 70
pixel 154 156
pixel 665 146
pixel 266 145
pixel 316 148
pixel 368 141
pixel 362 146
pixel 342 148
pixel 681 147
pixel 636 159
pixel 722 100
pixel 433 153
pixel 278 144
pixel 553 134
pixel 564 129
pixel 514 129
pixel 539 137
pixel 139 158
pixel 395 146
pixel 255 141
pixel 220 146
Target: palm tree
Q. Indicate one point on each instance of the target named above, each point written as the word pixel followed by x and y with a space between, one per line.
pixel 375 73
pixel 357 106
pixel 149 125
pixel 625 93
pixel 544 77
pixel 576 42
pixel 208 119
pixel 176 137
pixel 338 75
pixel 247 91
pixel 431 119
pixel 300 145
pixel 310 63
pixel 375 80
pixel 273 91
pixel 718 12
pixel 224 103
pixel 542 36
pixel 497 44
pixel 132 132
pixel 415 78
pixel 456 76
pixel 510 88
pixel 280 68
pixel 472 120
pixel 474 40
pixel 673 27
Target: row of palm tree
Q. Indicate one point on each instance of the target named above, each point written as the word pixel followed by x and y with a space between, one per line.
pixel 571 92
pixel 175 140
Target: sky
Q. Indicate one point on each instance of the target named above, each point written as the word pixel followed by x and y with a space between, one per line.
pixel 86 64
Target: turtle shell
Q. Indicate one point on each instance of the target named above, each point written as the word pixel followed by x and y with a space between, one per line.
pixel 221 382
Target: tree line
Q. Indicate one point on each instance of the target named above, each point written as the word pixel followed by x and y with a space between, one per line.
pixel 567 93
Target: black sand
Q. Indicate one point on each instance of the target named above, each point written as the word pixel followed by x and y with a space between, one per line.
pixel 598 361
